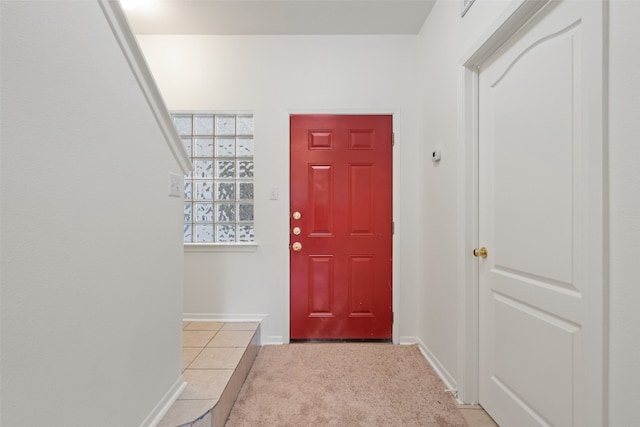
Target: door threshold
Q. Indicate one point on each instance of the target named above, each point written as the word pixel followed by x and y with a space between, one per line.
pixel 338 340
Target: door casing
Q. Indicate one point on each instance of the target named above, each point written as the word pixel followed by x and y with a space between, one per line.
pixel 396 120
pixel 511 21
pixel 341 281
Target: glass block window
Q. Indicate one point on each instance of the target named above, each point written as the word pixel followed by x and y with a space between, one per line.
pixel 218 194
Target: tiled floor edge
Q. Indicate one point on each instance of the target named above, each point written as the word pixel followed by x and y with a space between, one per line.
pixel 221 410
pixel 208 412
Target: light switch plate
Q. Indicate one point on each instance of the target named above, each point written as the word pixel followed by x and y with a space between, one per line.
pixel 174 185
pixel 273 193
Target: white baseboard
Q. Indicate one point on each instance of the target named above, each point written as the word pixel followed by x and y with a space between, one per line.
pixel 222 317
pixel 155 416
pixel 274 340
pixel 408 340
pixel 450 383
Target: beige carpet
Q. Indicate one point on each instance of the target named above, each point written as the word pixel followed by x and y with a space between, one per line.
pixel 345 384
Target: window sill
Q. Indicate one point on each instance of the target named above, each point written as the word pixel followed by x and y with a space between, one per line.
pixel 221 247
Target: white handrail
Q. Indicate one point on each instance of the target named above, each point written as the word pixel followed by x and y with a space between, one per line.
pixel 129 45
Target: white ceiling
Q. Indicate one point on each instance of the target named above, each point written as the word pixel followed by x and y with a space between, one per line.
pixel 279 17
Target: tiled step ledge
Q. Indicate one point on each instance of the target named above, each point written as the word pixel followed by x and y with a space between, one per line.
pixel 191 409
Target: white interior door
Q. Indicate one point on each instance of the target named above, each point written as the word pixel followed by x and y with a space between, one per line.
pixel 538 208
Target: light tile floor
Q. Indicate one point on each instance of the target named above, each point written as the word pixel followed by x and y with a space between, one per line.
pixel 476 416
pixel 211 352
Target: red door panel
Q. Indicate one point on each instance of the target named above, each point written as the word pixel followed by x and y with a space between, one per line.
pixel 341 182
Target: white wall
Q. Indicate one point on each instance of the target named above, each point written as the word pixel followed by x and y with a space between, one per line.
pixel 272 77
pixel 624 164
pixel 91 245
pixel 444 39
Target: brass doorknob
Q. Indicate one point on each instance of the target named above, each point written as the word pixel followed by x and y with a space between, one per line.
pixel 481 252
pixel 297 246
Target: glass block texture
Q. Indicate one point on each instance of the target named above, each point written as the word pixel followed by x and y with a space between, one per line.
pixel 218 194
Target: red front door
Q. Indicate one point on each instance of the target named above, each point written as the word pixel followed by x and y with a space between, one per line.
pixel 341 227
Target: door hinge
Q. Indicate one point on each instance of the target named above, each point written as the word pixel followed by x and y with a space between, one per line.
pixel 393 138
pixel 393 227
pixel 393 317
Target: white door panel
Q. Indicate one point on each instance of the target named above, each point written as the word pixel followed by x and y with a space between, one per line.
pixel 534 358
pixel 531 133
pixel 533 189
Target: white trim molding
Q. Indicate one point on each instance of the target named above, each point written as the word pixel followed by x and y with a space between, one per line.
pixel 131 50
pixel 220 247
pixel 514 17
pixel 466 5
pixel 396 114
pixel 439 368
pixel 223 317
pixel 274 340
pixel 160 410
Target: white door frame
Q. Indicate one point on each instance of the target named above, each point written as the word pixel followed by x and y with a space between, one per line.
pixel 513 19
pixel 396 238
